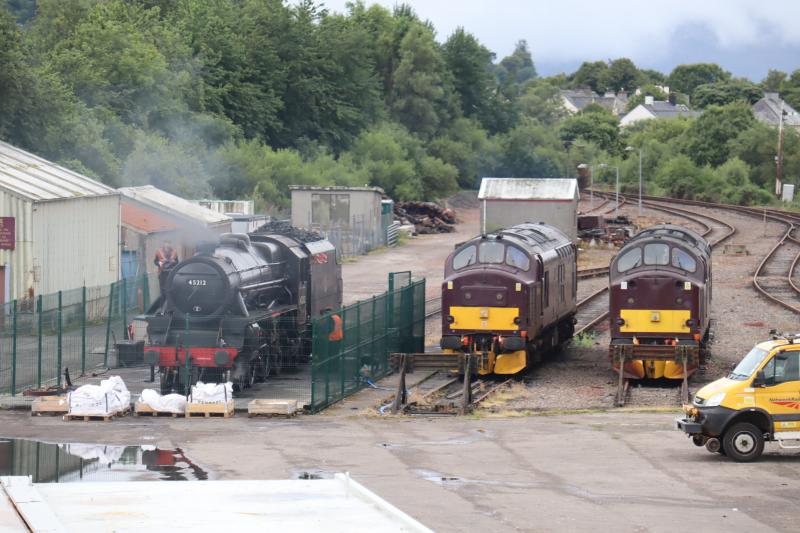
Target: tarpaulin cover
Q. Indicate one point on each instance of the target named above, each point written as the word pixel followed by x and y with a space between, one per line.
pixel 212 392
pixel 170 403
pixel 111 396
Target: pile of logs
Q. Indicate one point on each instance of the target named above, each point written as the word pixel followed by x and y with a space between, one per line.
pixel 427 217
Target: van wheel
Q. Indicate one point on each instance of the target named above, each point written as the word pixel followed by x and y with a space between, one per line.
pixel 743 442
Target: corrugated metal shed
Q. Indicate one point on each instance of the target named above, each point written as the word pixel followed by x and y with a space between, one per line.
pixel 67 227
pixel 175 205
pixel 34 178
pixel 528 189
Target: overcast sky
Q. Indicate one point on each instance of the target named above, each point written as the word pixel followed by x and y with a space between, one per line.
pixel 746 37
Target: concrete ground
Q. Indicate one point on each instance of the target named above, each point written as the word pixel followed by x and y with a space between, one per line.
pixel 568 472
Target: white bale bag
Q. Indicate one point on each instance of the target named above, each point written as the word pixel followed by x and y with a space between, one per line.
pixel 212 392
pixel 110 397
pixel 169 403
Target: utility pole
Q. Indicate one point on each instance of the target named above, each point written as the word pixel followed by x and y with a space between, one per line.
pixel 779 157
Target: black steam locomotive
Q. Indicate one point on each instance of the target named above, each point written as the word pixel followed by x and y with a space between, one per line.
pixel 242 308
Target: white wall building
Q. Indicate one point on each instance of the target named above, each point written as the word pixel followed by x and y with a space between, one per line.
pixel 61 230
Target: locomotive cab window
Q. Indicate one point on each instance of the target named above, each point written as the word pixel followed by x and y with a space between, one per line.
pixel 466 257
pixel 630 259
pixel 683 260
pixel 492 252
pixel 656 254
pixel 517 258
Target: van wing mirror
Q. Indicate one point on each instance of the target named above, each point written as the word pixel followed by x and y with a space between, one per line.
pixel 760 380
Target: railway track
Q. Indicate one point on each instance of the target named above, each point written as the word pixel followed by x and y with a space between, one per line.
pixel 776 275
pixel 591 311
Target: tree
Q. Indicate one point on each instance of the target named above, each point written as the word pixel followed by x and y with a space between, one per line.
pixel 469 62
pixel 518 67
pixel 531 151
pixel 708 137
pixel 622 74
pixel 594 124
pixel 541 101
pixel 774 80
pixel 725 92
pixel 593 75
pixel 686 78
pixel 418 86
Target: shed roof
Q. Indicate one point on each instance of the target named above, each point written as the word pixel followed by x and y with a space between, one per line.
pixel 173 205
pixel 334 188
pixel 661 109
pixel 768 110
pixel 35 178
pixel 528 189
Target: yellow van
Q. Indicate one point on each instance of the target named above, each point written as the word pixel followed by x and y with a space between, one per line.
pixel 758 401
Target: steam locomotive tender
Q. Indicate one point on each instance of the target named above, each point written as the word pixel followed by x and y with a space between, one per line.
pixel 509 297
pixel 242 308
pixel 659 302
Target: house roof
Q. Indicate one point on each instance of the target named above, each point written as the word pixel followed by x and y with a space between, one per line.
pixel 528 189
pixel 661 109
pixel 580 98
pixel 37 179
pixel 768 110
pixel 334 188
pixel 172 205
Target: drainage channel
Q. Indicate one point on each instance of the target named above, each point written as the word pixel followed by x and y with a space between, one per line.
pixel 48 462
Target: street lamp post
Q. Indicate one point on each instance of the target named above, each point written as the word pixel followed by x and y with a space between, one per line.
pixel 616 206
pixel 591 184
pixel 632 149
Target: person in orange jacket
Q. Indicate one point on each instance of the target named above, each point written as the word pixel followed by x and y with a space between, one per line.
pixel 166 259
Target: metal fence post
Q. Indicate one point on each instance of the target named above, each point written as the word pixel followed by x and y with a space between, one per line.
pixel 59 345
pixel 357 369
pixel 125 308
pixel 186 357
pixel 342 350
pixel 83 331
pixel 108 322
pixel 373 356
pixel 39 343
pixel 313 365
pixel 14 350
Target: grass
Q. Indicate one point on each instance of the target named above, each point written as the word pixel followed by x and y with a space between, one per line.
pixel 584 340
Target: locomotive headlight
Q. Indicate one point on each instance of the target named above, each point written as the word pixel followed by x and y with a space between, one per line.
pixel 679 300
pixel 468 296
pixel 517 320
pixel 450 319
pixel 499 296
pixel 631 300
pixel 690 322
pixel 620 321
pixel 715 400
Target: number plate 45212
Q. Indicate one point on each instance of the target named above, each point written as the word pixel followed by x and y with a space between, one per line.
pixel 197 282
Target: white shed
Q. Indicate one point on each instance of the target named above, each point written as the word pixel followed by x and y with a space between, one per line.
pixel 506 202
pixel 59 230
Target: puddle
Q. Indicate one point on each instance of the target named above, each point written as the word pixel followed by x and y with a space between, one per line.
pixel 66 463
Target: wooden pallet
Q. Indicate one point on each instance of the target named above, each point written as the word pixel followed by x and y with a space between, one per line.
pixel 260 407
pixel 208 410
pixel 103 418
pixel 142 409
pixel 49 405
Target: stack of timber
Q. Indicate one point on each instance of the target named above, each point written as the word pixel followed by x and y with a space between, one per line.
pixel 427 217
pixel 107 417
pixel 140 408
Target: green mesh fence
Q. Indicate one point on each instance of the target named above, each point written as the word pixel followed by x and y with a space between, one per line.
pixel 371 330
pixel 73 330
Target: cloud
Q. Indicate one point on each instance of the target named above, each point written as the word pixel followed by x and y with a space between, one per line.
pixel 570 31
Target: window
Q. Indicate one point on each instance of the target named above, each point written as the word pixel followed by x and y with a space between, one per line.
pixel 546 284
pixel 517 258
pixel 492 252
pixel 466 257
pixel 656 254
pixel 327 209
pixel 782 368
pixel 682 260
pixel 748 365
pixel 630 259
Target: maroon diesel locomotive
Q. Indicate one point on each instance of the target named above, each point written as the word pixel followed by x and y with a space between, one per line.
pixel 659 303
pixel 509 297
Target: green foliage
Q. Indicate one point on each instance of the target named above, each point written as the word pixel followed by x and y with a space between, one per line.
pixel 725 92
pixel 593 75
pixel 708 136
pixel 469 62
pixel 594 124
pixel 622 74
pixel 518 67
pixel 686 78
